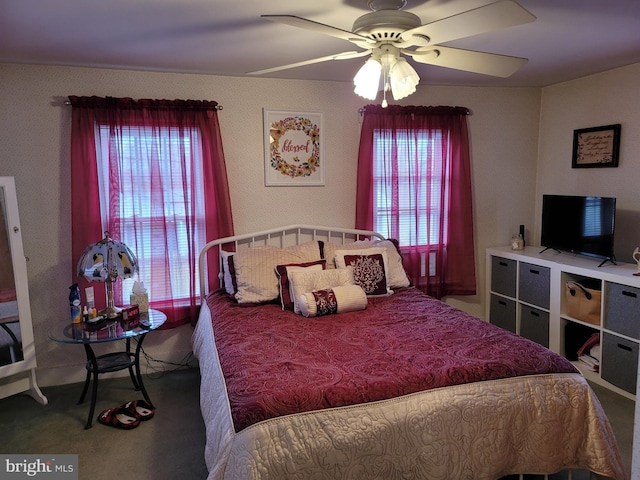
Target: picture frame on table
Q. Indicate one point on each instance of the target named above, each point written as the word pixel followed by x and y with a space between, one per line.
pixel 596 147
pixel 293 148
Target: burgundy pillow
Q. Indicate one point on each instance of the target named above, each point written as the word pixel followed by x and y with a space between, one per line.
pixel 283 280
pixel 369 272
pixel 228 272
pixel 326 303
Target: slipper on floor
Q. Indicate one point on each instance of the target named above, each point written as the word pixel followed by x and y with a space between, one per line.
pixel 118 417
pixel 140 409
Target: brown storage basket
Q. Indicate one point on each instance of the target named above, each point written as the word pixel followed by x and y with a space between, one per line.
pixel 583 303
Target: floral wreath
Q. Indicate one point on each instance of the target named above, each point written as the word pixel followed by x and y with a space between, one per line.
pixel 304 169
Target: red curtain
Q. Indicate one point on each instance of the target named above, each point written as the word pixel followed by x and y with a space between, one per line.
pixel 159 166
pixel 416 159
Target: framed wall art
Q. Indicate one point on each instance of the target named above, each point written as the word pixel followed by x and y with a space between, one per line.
pixel 293 148
pixel 596 147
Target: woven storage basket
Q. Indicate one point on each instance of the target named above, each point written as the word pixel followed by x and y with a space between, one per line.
pixel 583 303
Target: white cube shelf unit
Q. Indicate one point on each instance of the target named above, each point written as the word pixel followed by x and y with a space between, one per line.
pixel 526 294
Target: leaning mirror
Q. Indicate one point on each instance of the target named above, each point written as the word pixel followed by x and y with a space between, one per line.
pixel 17 348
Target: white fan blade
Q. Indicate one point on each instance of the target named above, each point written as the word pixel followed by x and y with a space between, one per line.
pixel 337 56
pixel 502 14
pixel 468 60
pixel 318 27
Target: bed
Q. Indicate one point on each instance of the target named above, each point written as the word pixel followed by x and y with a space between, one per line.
pixel 332 381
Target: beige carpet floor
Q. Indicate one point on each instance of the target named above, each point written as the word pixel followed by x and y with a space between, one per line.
pixel 169 446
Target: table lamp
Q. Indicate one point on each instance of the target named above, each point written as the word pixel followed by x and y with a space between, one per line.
pixel 106 261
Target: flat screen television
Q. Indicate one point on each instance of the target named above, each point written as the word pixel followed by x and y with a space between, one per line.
pixel 582 225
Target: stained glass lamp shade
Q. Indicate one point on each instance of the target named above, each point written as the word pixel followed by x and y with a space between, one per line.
pixel 106 261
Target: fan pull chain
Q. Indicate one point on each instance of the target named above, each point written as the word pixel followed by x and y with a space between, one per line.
pixel 386 86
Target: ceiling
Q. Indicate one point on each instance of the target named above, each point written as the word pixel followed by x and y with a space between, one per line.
pixel 569 39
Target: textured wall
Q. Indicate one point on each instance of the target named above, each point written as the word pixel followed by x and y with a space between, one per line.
pixel 603 99
pixel 35 129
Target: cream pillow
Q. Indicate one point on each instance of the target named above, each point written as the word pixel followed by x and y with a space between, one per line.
pixel 305 281
pixel 370 269
pixel 397 275
pixel 283 272
pixel 256 278
pixel 347 298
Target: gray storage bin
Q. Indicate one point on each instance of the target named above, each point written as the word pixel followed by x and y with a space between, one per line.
pixel 534 285
pixel 503 276
pixel 502 312
pixel 622 309
pixel 619 363
pixel 534 325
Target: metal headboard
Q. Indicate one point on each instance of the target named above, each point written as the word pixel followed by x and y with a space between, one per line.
pixel 278 237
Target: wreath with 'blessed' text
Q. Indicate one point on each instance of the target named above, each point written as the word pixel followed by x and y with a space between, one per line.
pixel 299 168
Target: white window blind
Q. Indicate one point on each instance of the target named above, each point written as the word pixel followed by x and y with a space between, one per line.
pixel 408 165
pixel 155 183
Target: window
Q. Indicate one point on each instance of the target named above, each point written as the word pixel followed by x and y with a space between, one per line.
pixel 414 184
pixel 153 220
pixel 152 173
pixel 417 157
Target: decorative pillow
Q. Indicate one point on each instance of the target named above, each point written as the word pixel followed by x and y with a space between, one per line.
pixel 397 275
pixel 283 279
pixel 256 277
pixel 330 249
pixel 370 269
pixel 307 281
pixel 348 298
pixel 228 273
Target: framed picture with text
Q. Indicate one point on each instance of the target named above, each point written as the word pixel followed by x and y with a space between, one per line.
pixel 293 148
pixel 596 147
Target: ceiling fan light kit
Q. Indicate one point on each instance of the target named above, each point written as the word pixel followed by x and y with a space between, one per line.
pixel 404 79
pixel 387 33
pixel 367 80
pixel 386 70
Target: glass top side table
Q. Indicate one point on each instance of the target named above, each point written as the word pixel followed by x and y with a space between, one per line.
pixel 110 330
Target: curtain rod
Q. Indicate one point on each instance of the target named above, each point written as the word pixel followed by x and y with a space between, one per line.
pixel 217 107
pixel 362 110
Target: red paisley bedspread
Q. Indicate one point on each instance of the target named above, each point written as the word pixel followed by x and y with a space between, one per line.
pixel 277 363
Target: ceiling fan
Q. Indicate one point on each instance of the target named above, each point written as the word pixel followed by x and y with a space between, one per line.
pixel 388 32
